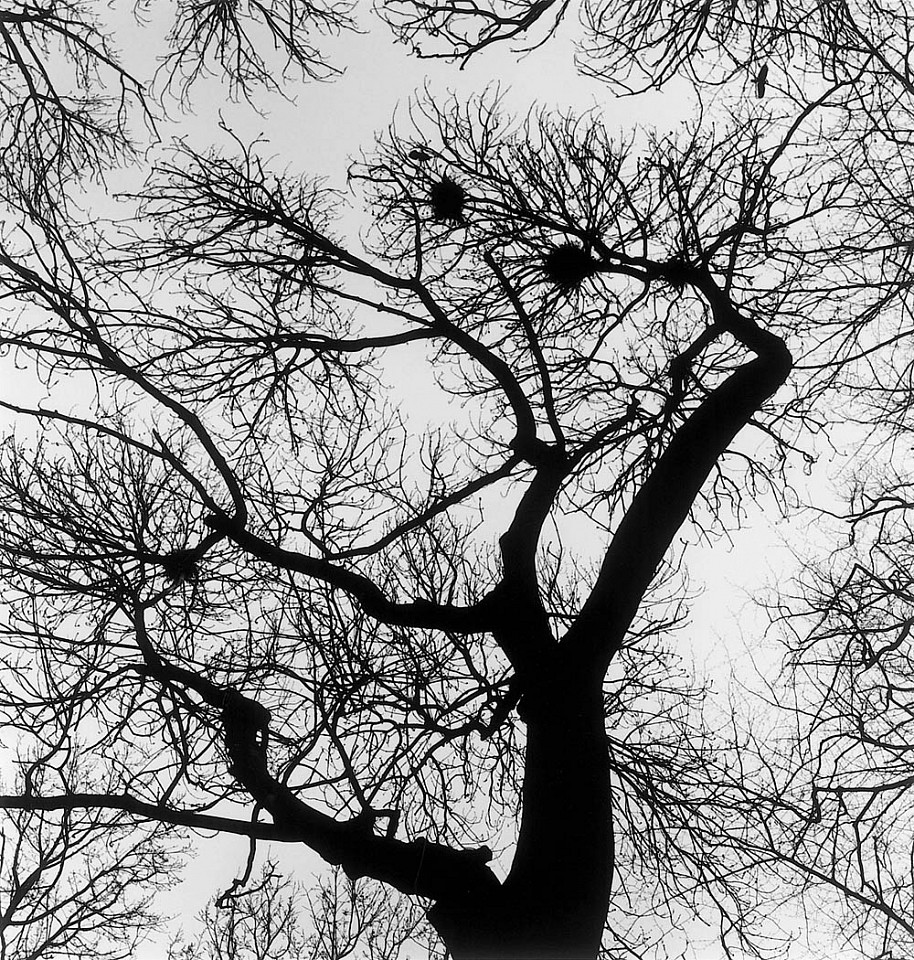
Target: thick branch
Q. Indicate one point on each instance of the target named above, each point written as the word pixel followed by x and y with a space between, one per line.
pixel 417 867
pixel 149 811
pixel 476 618
pixel 522 627
pixel 664 501
pixel 319 342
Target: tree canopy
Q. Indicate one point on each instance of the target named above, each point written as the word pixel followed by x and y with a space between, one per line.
pixel 353 515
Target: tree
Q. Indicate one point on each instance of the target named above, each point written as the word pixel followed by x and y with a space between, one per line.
pixel 70 110
pixel 247 576
pixel 847 624
pixel 270 920
pixel 76 883
pixel 633 45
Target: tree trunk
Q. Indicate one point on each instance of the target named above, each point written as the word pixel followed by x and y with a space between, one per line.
pixel 553 903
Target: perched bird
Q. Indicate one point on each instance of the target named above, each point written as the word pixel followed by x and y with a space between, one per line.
pixel 761 80
pixel 420 155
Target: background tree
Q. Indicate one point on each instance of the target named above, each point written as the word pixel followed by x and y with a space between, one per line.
pixel 69 109
pixel 633 45
pixel 275 918
pixel 77 883
pixel 847 620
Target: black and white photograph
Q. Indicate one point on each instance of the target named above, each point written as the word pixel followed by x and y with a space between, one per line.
pixel 456 480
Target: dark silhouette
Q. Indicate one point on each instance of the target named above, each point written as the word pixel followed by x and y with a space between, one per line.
pixel 180 566
pixel 568 266
pixel 316 635
pixel 448 200
pixel 434 478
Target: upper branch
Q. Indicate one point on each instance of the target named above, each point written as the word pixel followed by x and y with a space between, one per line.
pixel 435 508
pixel 664 501
pixel 525 422
pixel 212 207
pixel 535 348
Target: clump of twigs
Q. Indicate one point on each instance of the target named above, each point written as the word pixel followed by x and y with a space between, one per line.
pixel 678 272
pixel 180 566
pixel 447 200
pixel 567 266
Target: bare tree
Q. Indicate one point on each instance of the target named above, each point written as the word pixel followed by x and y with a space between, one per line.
pixel 239 41
pixel 76 883
pixel 276 918
pixel 249 576
pixel 259 582
pixel 634 45
pixel 70 109
pixel 64 100
pixel 847 626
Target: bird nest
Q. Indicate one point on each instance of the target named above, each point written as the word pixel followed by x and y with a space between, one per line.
pixel 181 566
pixel 447 200
pixel 678 272
pixel 567 266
